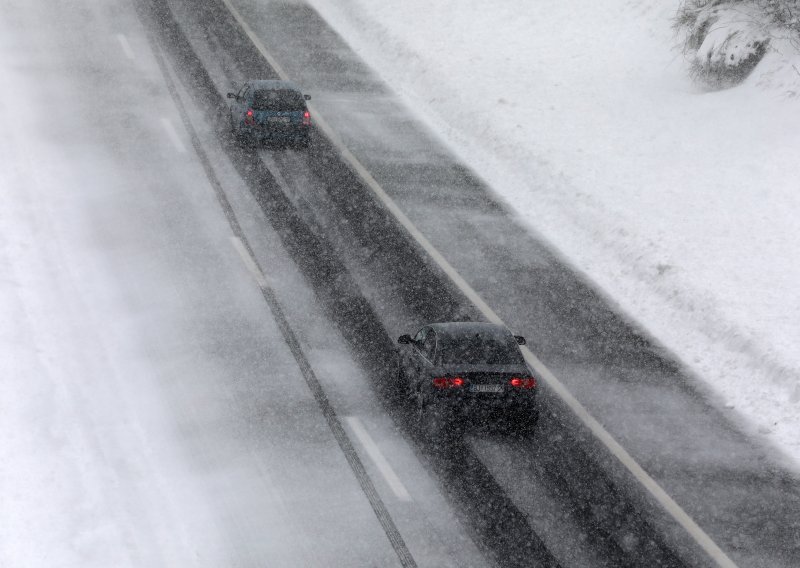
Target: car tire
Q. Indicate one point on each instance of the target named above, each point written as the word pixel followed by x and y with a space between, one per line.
pixel 302 143
pixel 238 136
pixel 429 421
pixel 525 425
pixel 398 390
pixel 419 409
pixel 246 139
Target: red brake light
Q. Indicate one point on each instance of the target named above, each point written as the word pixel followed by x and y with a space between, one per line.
pixel 306 118
pixel 526 383
pixel 448 382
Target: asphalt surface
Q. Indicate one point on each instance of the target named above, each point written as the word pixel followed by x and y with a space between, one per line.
pixel 556 498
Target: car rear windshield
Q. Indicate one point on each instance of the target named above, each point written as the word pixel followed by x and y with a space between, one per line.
pixel 479 349
pixel 279 100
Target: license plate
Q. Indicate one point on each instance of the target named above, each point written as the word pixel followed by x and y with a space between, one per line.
pixel 486 388
pixel 279 119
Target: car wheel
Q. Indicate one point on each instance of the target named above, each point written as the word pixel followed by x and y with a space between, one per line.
pixel 302 143
pixel 247 139
pixel 398 390
pixel 238 135
pixel 525 423
pixel 428 419
pixel 419 408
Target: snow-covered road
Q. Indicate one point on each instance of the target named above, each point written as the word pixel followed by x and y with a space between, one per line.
pixel 152 413
pixel 155 414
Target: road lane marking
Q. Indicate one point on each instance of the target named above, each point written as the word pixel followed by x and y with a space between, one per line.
pixel 126 47
pixel 378 458
pixel 173 135
pixel 602 435
pixel 249 262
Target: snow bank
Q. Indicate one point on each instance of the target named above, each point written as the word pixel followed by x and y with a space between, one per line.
pixel 681 205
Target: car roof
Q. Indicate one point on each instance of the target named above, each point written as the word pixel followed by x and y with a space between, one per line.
pixel 273 84
pixel 456 329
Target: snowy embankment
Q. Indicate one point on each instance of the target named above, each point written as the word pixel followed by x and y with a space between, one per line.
pixel 680 204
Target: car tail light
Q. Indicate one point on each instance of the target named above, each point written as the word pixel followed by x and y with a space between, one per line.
pixel 523 382
pixel 306 118
pixel 448 382
pixel 249 117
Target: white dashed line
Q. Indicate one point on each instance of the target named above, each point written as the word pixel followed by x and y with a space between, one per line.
pixel 126 47
pixel 173 135
pixel 378 459
pixel 249 262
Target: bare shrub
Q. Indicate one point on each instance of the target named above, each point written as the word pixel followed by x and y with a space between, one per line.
pixel 724 40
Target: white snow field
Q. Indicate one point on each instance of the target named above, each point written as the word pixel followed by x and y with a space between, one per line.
pixel 681 205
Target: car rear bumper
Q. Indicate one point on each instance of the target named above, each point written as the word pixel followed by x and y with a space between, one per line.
pixel 503 407
pixel 265 133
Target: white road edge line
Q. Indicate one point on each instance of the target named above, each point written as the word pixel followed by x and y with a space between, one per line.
pixel 126 47
pixel 173 135
pixel 249 262
pixel 269 161
pixel 658 493
pixel 378 458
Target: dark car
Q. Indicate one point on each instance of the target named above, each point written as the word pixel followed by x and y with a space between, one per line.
pixel 270 110
pixel 451 371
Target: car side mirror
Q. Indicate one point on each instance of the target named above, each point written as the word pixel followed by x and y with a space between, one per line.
pixel 405 339
pixel 307 97
pixel 520 340
pixel 231 95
